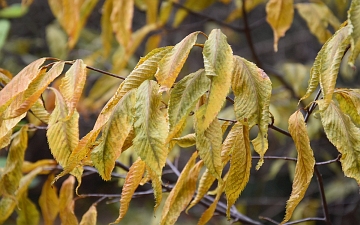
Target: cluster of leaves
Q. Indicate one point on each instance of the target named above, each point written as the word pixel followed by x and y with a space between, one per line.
pixel 149 111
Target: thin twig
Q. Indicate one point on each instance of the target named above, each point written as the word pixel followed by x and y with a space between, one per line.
pixel 99 71
pixel 312 106
pixel 323 198
pixel 121 165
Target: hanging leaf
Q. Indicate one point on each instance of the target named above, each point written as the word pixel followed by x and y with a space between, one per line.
pixel 344 135
pixel 89 218
pixel 114 135
pixel 66 204
pixel 49 201
pixel 182 192
pixel 252 90
pixel 279 14
pixel 349 103
pixel 318 17
pixel 186 141
pixel 240 163
pixel 354 22
pixel 327 63
pixel 304 169
pixel 72 85
pixel 151 11
pixel 218 64
pixel 121 20
pixel 170 65
pixel 6 127
pixel 27 212
pixel 106 27
pixel 150 127
pixel 183 97
pixel 39 111
pixel 132 181
pixel 156 184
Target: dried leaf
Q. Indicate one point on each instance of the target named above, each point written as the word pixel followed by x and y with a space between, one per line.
pixel 49 201
pixel 66 204
pixel 6 127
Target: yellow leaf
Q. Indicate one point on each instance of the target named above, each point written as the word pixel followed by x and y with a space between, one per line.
pixel 186 141
pixel 304 169
pixel 114 135
pixel 156 185
pixel 153 42
pixel 194 5
pixel 29 166
pixel 252 90
pixel 20 83
pixel 89 218
pixel 165 11
pixel 237 12
pixel 63 135
pixel 27 212
pixel 279 14
pixel 183 97
pixel 66 204
pixel 151 11
pixel 121 20
pixel 170 65
pixel 39 111
pixel 150 127
pixel 106 29
pixel 6 127
pixel 327 63
pixel 49 201
pixel 240 163
pixel 208 144
pixel 11 174
pixel 132 181
pixel 182 192
pixel 318 17
pixel 218 64
pixel 349 103
pixel 72 85
pixel 344 135
pixel 354 22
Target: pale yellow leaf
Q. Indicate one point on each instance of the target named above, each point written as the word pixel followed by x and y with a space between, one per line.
pixel 106 27
pixel 349 103
pixel 121 20
pixel 156 185
pixel 354 22
pixel 39 111
pixel 66 203
pixel 279 14
pixel 27 166
pixel 49 201
pixel 304 169
pixel 6 127
pixel 186 141
pixel 132 181
pixel 165 11
pixel 153 42
pixel 89 218
pixel 27 212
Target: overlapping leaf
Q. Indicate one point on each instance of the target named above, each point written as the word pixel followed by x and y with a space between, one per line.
pixel 344 135
pixel 66 204
pixel 327 63
pixel 218 64
pixel 150 127
pixel 304 169
pixel 49 202
pixel 252 90
pixel 132 181
pixel 349 103
pixel 170 65
pixel 240 163
pixel 183 97
pixel 279 14
pixel 114 135
pixel 121 20
pixel 6 127
pixel 186 141
pixel 182 193
pixel 354 22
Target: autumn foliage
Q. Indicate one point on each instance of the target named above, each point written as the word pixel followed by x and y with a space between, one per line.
pixel 154 110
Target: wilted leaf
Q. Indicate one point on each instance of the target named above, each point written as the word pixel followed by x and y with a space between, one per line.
pixel 349 103
pixel 150 127
pixel 240 163
pixel 170 65
pixel 218 64
pixel 354 22
pixel 182 192
pixel 304 169
pixel 121 20
pixel 279 14
pixel 89 218
pixel 344 135
pixel 114 135
pixel 49 201
pixel 252 90
pixel 66 204
pixel 27 212
pixel 132 181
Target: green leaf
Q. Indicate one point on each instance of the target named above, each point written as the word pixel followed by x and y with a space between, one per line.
pixel 4 30
pixel 150 126
pixel 13 11
pixel 354 22
pixel 170 65
pixel 114 135
pixel 344 135
pixel 252 90
pixel 304 169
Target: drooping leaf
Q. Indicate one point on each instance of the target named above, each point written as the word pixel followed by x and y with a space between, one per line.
pixel 208 144
pixel 240 163
pixel 218 64
pixel 20 83
pixel 151 11
pixel 11 174
pixel 354 22
pixel 89 218
pixel 170 65
pixel 344 135
pixel 106 27
pixel 252 90
pixel 27 212
pixel 304 169
pixel 6 127
pixel 132 181
pixel 66 204
pixel 349 103
pixel 150 127
pixel 279 14
pixel 114 135
pixel 49 201
pixel 327 63
pixel 121 20
pixel 186 141
pixel 183 97
pixel 156 185
pixel 182 192
pixel 39 111
pixel 72 85
pixel 318 17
